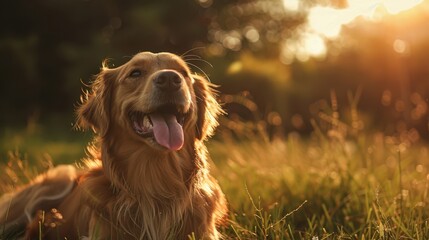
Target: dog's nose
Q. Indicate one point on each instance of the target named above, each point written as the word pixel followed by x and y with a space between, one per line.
pixel 168 81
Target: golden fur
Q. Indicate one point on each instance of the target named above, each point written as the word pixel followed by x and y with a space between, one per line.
pixel 132 187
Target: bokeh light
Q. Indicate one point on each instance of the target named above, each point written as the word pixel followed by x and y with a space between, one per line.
pixel 291 5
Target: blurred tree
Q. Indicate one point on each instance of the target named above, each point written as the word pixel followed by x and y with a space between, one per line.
pixel 47 46
pixel 385 58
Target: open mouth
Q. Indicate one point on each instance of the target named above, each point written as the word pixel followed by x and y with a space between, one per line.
pixel 164 125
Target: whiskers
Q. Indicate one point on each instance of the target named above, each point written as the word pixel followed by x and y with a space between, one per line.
pixel 190 58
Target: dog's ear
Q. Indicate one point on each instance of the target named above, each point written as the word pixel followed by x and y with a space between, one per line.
pixel 94 111
pixel 208 109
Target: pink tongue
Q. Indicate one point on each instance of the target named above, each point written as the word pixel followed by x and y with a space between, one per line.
pixel 168 132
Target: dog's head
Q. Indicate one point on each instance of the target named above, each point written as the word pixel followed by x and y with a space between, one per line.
pixel 154 99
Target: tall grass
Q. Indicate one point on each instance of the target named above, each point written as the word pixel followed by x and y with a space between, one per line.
pixel 324 188
pixel 342 182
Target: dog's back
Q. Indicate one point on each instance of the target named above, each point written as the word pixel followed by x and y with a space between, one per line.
pixel 46 192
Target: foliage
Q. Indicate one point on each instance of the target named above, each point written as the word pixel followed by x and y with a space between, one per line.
pixel 49 47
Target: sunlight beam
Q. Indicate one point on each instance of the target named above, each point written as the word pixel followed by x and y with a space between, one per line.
pixel 326 23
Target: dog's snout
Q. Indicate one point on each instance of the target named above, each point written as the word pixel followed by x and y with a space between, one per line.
pixel 168 81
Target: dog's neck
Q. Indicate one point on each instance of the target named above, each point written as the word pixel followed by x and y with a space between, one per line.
pixel 150 184
pixel 142 170
pixel 158 190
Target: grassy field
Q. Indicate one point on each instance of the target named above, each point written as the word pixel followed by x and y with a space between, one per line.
pixel 364 188
pixel 330 185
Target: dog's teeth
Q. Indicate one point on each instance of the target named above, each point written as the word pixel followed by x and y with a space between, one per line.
pixel 146 123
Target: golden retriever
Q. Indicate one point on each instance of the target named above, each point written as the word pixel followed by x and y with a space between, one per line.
pixel 147 175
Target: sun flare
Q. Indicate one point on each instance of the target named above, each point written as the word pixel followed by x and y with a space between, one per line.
pixel 326 22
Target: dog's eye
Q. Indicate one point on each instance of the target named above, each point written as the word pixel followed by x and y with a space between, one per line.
pixel 135 73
